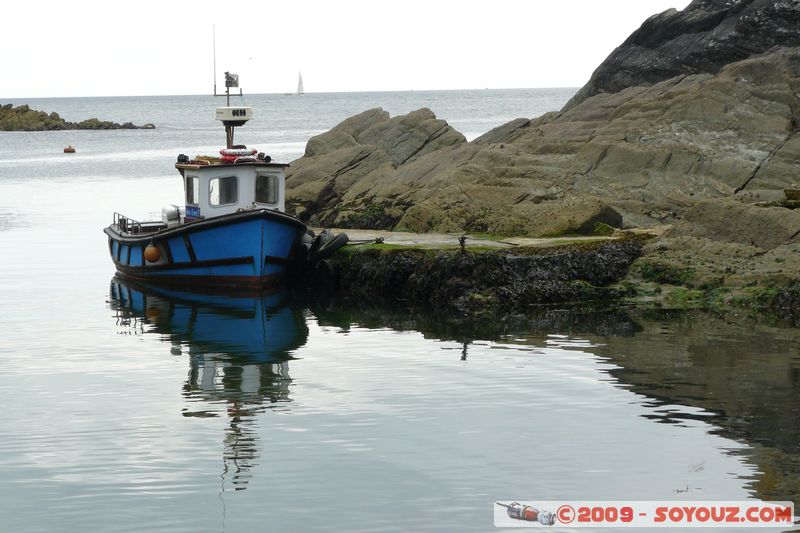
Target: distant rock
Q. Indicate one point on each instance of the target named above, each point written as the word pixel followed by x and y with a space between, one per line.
pixel 700 39
pixel 23 118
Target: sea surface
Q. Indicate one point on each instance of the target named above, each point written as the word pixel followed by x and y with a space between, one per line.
pixel 127 408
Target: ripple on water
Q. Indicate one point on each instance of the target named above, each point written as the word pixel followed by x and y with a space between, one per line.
pixel 11 220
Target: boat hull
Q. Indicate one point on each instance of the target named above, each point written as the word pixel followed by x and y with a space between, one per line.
pixel 252 248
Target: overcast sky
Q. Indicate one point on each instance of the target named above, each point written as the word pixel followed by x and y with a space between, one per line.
pixel 145 47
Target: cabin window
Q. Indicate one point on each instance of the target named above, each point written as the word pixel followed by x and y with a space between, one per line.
pixel 223 191
pixel 192 190
pixel 267 189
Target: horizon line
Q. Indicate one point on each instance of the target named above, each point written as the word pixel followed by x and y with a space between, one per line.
pixel 306 93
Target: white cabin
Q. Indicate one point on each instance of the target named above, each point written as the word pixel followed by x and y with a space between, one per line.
pixel 211 190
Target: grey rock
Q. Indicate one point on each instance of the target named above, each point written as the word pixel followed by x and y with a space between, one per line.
pixel 702 38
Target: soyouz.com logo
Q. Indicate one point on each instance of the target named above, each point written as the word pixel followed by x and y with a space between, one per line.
pixel 644 514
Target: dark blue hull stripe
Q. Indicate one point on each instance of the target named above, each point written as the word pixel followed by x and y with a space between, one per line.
pixel 193 264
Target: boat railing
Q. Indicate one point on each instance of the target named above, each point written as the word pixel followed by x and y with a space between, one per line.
pixel 134 227
pixel 127 224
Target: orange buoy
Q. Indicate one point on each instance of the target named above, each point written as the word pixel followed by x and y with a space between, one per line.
pixel 69 149
pixel 152 253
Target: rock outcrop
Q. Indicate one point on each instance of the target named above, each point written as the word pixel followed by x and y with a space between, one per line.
pixel 341 178
pixel 641 156
pixel 727 243
pixel 23 118
pixel 700 39
pixel 694 121
pixel 500 281
pixel 415 172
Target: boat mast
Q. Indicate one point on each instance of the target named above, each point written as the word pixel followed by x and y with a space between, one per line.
pixel 214 42
pixel 228 116
pixel 232 117
pixel 231 80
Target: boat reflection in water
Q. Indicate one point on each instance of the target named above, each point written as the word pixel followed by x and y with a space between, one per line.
pixel 239 351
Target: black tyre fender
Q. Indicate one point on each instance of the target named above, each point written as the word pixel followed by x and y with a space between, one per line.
pixel 318 242
pixel 328 248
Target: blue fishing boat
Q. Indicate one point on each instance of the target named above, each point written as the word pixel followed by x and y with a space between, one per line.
pixel 232 229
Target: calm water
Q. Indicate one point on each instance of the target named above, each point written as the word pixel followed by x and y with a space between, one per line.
pixel 130 409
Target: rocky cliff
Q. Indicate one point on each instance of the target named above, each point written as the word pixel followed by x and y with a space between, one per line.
pixel 700 39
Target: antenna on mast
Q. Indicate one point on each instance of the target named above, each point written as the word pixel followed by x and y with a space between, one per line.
pixel 214 40
pixel 231 117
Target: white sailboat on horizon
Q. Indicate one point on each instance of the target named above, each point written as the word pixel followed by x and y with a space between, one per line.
pixel 300 90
